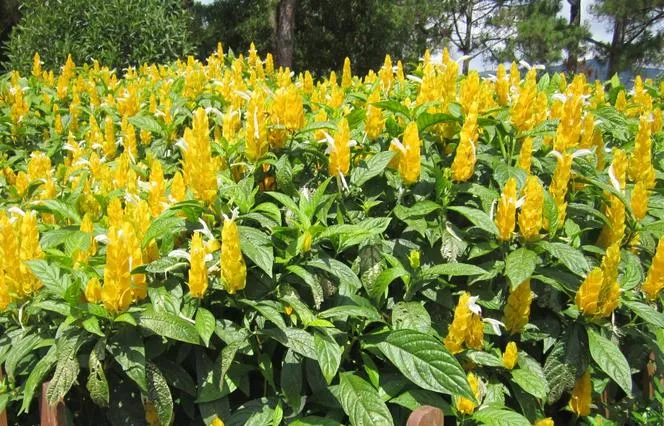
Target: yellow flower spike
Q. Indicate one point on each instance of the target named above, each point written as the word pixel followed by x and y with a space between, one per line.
pixel 5 297
pixel 409 164
pixel 401 75
pixel 198 165
pixel 109 137
pixel 657 120
pixel 375 123
pixel 515 75
pixel 544 422
pixel 526 155
pixel 506 212
pixel 615 230
pixel 465 405
pixel 639 200
pixel 216 421
pixel 233 268
pixel 123 254
pixel 502 85
pixel 463 165
pixel 93 291
pixel 640 165
pixel 609 295
pixel 587 297
pixel 198 279
pixel 530 217
pixel 581 397
pixel 386 73
pixel 36 65
pixel 157 189
pixel 339 150
pixel 588 131
pixel 256 145
pixel 287 110
pixel 178 189
pixel 517 309
pixel 347 76
pixel 28 250
pixel 510 356
pixel 654 282
pixel 621 101
pixel 560 183
pixel 466 328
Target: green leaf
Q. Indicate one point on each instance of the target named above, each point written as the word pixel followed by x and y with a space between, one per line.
pixel 36 377
pixel 349 235
pixel 484 358
pixel 128 350
pixel 500 417
pixel 424 360
pixel 610 359
pixel 455 269
pixel 258 247
pixel 411 315
pixel 415 398
pixel 146 122
pixel 361 402
pixel 314 421
pixel 530 383
pixel 633 273
pixel 167 224
pixel 291 379
pixel 159 394
pixel 270 312
pixel 294 338
pixel 20 349
pixel 62 209
pixel 476 217
pixel 646 312
pixel 394 106
pixel 520 265
pixel 49 275
pixel 373 167
pixel 329 355
pixel 97 384
pixel 572 258
pixel 205 324
pixel 65 374
pixel 379 288
pixel 169 325
pixel 177 376
pixel 426 120
pixel 311 281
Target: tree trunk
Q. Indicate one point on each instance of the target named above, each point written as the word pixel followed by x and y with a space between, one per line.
pixel 468 38
pixel 285 30
pixel 616 46
pixel 574 21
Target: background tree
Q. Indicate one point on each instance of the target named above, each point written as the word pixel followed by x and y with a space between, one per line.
pixel 324 31
pixel 284 37
pixel 638 32
pixel 534 31
pixel 9 17
pixel 118 33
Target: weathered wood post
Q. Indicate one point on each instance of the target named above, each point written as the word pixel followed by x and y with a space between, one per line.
pixel 426 415
pixel 50 415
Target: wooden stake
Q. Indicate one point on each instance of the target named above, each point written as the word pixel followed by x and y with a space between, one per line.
pixel 51 415
pixel 426 416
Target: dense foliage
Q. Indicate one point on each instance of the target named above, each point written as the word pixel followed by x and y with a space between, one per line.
pixel 226 242
pixel 117 33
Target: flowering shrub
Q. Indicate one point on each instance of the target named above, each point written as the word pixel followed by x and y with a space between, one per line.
pixel 227 243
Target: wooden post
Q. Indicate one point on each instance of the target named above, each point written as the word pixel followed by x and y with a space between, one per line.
pixel 426 416
pixel 3 413
pixel 50 415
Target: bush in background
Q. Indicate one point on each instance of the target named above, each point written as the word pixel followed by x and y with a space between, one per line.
pixel 118 33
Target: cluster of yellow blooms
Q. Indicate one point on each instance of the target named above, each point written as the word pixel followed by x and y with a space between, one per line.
pixel 128 156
